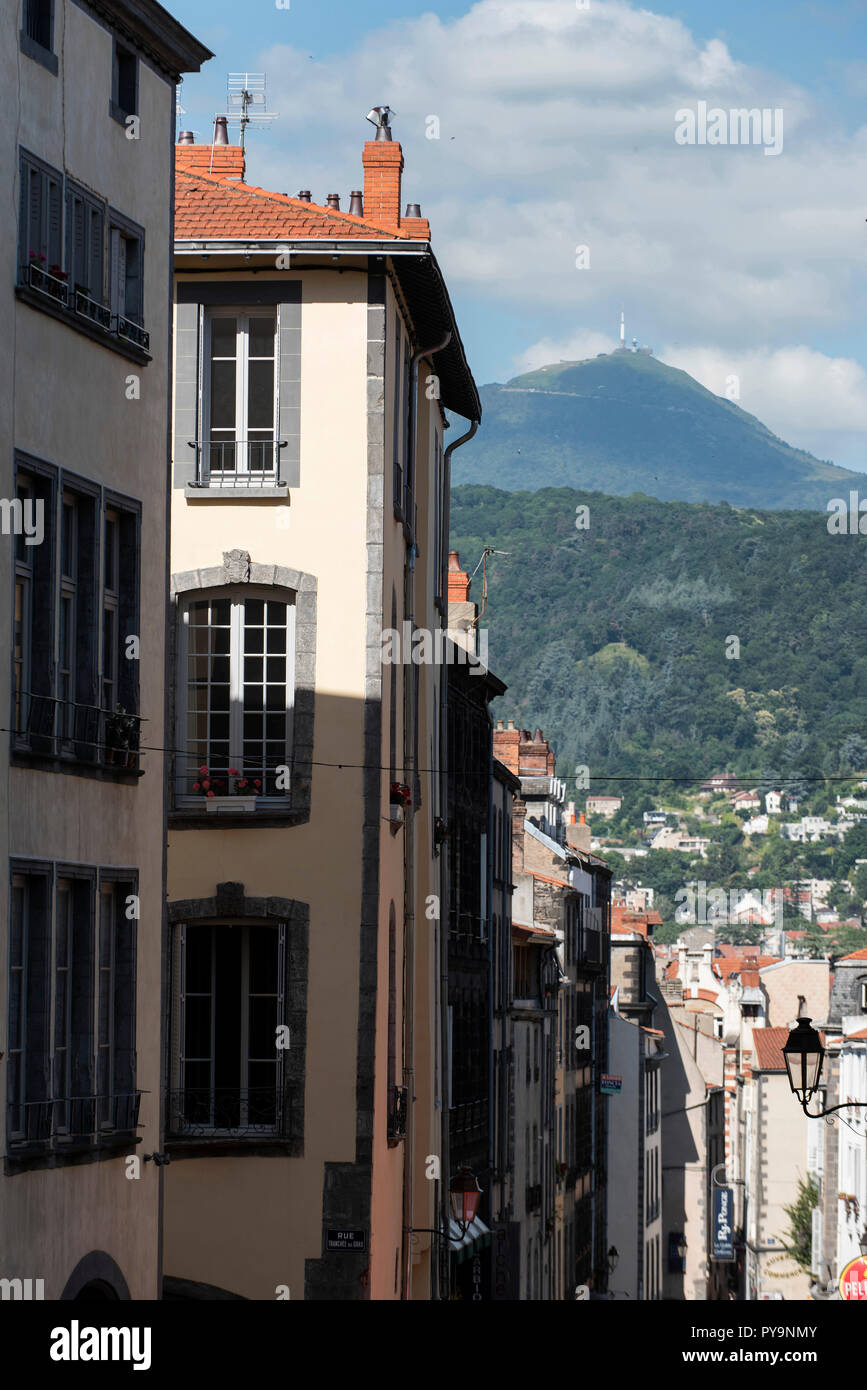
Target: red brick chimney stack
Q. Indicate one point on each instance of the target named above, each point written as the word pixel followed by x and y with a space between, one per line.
pixel 459 581
pixel 383 166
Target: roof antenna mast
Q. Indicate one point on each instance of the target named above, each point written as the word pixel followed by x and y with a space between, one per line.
pixel 246 103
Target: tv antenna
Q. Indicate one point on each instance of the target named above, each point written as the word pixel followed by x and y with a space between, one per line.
pixel 246 102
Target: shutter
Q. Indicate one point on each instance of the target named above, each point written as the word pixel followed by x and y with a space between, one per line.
pixel 75 234
pixel 176 1023
pixel 115 284
pixel 124 1004
pixel 186 391
pixel 816 1242
pixel 96 252
pixel 55 221
pixel 34 227
pixel 130 270
pixel 289 393
pixel 282 992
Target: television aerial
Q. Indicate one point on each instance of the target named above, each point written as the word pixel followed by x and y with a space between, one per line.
pixel 246 103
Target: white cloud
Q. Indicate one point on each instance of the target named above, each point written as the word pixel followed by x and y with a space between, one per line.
pixel 557 130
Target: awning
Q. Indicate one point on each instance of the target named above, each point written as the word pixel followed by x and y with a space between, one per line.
pixel 476 1237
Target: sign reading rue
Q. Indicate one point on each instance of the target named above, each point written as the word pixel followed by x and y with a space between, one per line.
pixel 346 1240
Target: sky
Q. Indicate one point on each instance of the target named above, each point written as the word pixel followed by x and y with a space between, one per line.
pixel 563 187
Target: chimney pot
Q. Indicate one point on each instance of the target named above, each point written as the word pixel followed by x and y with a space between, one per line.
pixel 383 167
pixel 413 210
pixel 581 818
pixel 186 137
pixel 537 736
pixel 333 201
pixel 356 203
pixel 511 724
pixel 499 724
pixel 221 131
pixel 304 195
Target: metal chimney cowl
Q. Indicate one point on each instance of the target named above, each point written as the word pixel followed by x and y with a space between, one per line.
pixel 221 131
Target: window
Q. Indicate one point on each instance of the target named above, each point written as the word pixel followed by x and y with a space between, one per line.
pixel 240 405
pixel 525 985
pixel 38 21
pixel 237 687
pixel 40 248
pixel 124 82
pixel 70 671
pixel 125 274
pixel 229 1003
pixel 72 1006
pixel 37 33
pixel 85 253
pixel 864 996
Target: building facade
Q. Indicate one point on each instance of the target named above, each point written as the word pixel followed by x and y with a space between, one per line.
pixel 315 352
pixel 89 110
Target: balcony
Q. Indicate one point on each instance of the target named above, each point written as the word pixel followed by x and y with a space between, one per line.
pixel 238 467
pixel 224 1112
pixel 91 309
pixel 74 733
pixel 46 287
pixel 397 1114
pixel 132 333
pixel 72 1123
pixel 48 282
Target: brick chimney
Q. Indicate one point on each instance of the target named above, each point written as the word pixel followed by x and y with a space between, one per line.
pixel 577 833
pixel 459 581
pixel 383 166
pixel 218 161
pixel 506 743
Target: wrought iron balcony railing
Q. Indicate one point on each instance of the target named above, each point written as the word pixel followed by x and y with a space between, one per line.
pixel 64 1122
pixel 88 308
pixel 224 1112
pixel 245 463
pixel 41 280
pixel 132 332
pixel 65 728
pixel 397 1114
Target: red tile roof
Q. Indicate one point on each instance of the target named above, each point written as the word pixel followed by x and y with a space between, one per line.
pixel 214 208
pixel 862 1033
pixel 856 955
pixel 736 965
pixel 769 1044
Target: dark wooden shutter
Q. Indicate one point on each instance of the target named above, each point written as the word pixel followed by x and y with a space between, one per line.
pixel 128 620
pixel 186 390
pixel 123 1004
pixel 289 392
pixel 131 272
pixel 96 252
pixel 87 619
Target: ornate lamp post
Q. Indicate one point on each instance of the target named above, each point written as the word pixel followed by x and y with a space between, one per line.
pixel 804 1055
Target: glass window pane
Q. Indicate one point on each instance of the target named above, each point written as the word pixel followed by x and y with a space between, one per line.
pixel 254 611
pixel 224 337
pixel 263 960
pixel 260 401
pixel 198 960
pixel 262 333
pixel 263 1026
pixel 197 1041
pixel 222 395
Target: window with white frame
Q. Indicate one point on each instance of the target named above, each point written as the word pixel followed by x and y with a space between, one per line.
pixel 126 244
pixel 240 402
pixel 236 664
pixel 229 1002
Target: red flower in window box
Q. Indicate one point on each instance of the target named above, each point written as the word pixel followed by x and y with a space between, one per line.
pixel 400 794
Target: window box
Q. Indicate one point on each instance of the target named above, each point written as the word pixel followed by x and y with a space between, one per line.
pixel 91 309
pixel 216 805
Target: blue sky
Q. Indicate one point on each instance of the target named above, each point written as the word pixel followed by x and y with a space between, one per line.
pixel 557 130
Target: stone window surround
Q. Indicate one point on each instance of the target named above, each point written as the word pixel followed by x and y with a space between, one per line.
pixel 239 568
pixel 231 902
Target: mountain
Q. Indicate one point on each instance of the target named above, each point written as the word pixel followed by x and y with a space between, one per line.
pixel 625 423
pixel 672 639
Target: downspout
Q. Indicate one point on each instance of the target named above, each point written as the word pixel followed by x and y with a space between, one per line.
pixel 411 774
pixel 445 883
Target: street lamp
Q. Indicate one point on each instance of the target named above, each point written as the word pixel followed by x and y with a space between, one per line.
pixel 464 1195
pixel 613 1257
pixel 803 1055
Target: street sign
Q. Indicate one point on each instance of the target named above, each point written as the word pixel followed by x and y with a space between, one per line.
pixel 853 1280
pixel 346 1240
pixel 610 1085
pixel 723 1232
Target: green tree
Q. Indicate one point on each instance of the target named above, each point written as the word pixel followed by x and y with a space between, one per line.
pixel 799 1236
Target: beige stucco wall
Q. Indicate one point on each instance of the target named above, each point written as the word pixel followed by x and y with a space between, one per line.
pixel 62 398
pixel 277 1203
pixel 783 984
